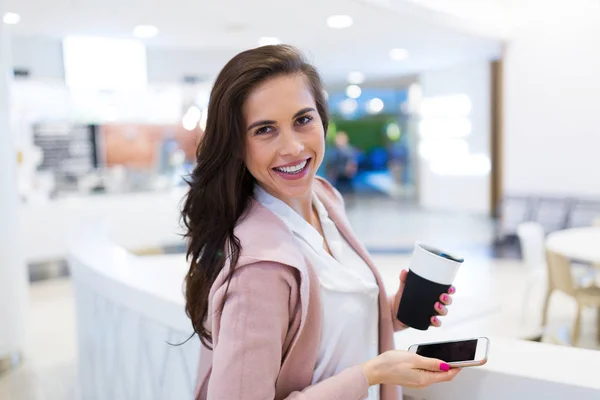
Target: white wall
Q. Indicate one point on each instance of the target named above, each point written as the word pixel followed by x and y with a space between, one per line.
pixel 13 270
pixel 466 193
pixel 552 101
pixel 41 56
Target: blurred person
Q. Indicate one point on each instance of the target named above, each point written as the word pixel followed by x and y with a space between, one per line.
pixel 398 161
pixel 342 166
pixel 286 301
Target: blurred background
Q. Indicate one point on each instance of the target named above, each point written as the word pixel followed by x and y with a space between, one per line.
pixel 470 125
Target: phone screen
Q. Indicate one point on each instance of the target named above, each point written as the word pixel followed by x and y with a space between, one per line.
pixel 450 352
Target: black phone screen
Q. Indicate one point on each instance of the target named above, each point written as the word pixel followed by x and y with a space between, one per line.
pixel 450 352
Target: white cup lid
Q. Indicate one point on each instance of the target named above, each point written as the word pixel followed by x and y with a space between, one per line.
pixel 434 264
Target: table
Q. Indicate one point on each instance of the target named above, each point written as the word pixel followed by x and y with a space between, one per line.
pixel 581 244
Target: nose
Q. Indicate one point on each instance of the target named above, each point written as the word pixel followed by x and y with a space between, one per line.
pixel 290 143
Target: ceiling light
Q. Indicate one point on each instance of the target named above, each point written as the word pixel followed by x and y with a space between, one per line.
pixel 348 106
pixel 11 18
pixel 356 78
pixel 457 127
pixel 203 119
pixel 339 21
pixel 439 149
pixel 375 106
pixel 398 54
pixel 268 40
pixel 353 91
pixel 446 106
pixel 192 118
pixel 145 31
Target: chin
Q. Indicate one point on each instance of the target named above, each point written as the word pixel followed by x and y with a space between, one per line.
pixel 294 189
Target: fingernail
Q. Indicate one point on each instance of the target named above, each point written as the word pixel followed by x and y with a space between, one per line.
pixel 444 367
pixel 452 290
pixel 435 320
pixel 439 306
pixel 445 297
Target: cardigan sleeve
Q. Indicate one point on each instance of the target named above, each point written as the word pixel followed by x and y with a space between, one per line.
pixel 248 348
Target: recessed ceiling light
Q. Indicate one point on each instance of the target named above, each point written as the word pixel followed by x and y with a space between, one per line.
pixel 353 91
pixel 399 54
pixel 356 78
pixel 339 21
pixel 11 18
pixel 145 31
pixel 375 106
pixel 268 40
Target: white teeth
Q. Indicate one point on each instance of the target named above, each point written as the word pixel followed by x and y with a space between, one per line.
pixel 293 169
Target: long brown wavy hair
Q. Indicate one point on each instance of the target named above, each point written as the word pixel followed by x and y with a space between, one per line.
pixel 221 187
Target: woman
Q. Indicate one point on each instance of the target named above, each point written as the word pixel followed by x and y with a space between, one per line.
pixel 285 299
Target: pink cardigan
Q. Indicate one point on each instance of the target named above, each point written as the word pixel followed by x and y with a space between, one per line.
pixel 265 341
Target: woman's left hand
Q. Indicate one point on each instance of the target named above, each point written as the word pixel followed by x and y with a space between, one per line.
pixel 439 308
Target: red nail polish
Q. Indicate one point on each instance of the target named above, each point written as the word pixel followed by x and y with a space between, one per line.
pixel 439 306
pixel 435 320
pixel 444 367
pixel 445 297
pixel 451 291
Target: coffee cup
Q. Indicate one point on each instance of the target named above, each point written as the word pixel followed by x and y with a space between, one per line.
pixel 430 274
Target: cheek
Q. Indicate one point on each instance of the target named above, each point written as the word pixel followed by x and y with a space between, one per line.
pixel 317 140
pixel 257 158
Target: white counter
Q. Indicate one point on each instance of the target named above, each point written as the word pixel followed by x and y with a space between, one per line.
pixel 517 369
pixel 129 307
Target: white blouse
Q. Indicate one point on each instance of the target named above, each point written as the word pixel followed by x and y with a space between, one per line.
pixel 349 292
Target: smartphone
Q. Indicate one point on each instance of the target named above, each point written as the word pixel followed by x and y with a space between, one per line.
pixel 457 353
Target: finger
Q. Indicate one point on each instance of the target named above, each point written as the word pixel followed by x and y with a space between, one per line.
pixel 446 299
pixel 452 290
pixel 403 276
pixel 440 309
pixel 451 374
pixel 431 364
pixel 435 321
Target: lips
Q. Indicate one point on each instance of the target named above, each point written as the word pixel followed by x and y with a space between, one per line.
pixel 294 168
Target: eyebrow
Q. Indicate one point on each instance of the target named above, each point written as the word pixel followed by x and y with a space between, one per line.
pixel 271 122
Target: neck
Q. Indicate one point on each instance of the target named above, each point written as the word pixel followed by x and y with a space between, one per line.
pixel 302 206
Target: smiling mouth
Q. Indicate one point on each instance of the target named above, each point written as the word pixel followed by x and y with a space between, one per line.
pixel 293 169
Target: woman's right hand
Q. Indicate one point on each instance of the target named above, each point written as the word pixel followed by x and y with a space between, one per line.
pixel 406 369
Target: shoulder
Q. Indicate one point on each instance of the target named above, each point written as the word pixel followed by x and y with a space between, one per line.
pixel 263 236
pixel 265 279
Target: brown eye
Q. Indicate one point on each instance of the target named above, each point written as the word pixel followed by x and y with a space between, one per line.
pixel 264 130
pixel 304 120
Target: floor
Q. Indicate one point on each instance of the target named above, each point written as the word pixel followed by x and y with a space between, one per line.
pixel 49 370
pixel 383 224
pixel 489 301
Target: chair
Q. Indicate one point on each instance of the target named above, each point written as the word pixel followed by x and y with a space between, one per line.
pixel 560 278
pixel 531 237
pixel 552 213
pixel 513 211
pixel 583 213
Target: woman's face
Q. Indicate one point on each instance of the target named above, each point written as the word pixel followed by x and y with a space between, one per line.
pixel 285 140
